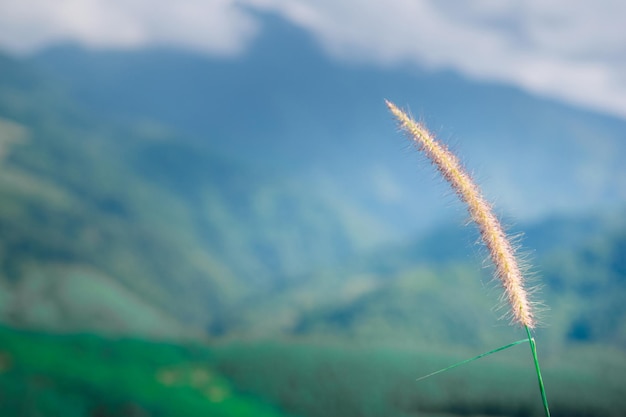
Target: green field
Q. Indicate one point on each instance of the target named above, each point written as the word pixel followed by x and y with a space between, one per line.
pixel 88 375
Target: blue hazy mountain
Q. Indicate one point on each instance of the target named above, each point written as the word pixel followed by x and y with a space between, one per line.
pixel 236 184
pixel 284 106
pixel 105 226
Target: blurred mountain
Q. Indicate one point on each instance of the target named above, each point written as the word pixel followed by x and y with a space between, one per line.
pixel 285 106
pixel 166 193
pixel 436 291
pixel 135 229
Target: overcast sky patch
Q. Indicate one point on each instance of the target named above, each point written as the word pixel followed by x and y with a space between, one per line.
pixel 573 50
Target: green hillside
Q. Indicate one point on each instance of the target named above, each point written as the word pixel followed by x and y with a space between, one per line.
pixel 435 291
pixel 106 377
pixel 138 229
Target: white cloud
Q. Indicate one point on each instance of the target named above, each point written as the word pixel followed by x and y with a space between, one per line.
pixel 213 26
pixel 574 50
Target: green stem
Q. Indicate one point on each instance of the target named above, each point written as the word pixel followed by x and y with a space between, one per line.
pixel 533 349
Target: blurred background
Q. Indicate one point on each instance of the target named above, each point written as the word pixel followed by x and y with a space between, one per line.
pixel 206 208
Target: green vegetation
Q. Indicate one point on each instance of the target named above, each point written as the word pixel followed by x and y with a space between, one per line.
pixel 148 216
pixel 399 295
pixel 316 379
pixel 87 375
pixel 90 376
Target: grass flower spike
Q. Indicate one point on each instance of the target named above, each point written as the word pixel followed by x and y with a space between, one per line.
pixel 500 249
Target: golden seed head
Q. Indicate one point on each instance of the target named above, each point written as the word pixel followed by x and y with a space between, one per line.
pixel 500 249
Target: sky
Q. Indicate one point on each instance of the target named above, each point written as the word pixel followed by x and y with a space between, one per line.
pixel 571 50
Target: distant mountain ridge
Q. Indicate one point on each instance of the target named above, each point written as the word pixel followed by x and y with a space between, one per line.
pixel 286 107
pixel 198 190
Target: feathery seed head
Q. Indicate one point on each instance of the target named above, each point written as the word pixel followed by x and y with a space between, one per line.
pixel 500 249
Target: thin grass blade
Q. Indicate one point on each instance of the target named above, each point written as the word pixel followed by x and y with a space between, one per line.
pixel 482 355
